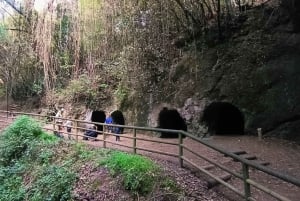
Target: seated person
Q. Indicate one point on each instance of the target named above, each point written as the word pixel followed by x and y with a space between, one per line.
pixel 90 133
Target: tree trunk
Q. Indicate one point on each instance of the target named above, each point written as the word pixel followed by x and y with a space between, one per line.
pixel 219 19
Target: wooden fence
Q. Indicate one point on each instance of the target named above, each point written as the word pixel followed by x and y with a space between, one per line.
pixel 244 176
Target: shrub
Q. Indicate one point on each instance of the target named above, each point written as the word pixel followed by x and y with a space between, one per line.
pixel 139 173
pixel 121 93
pixel 11 187
pixel 18 137
pixel 35 166
pixel 91 91
pixel 53 183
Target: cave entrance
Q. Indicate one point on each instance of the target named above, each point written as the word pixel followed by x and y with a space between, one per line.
pixel 170 119
pixel 99 117
pixel 223 118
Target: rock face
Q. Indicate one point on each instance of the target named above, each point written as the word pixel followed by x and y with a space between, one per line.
pixel 265 91
pixel 257 71
pixel 259 78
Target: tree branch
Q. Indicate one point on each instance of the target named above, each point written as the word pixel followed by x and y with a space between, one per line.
pixel 187 13
pixel 13 6
pixel 15 29
pixel 18 10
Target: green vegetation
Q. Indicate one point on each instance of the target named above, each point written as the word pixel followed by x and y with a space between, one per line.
pixel 37 166
pixel 19 138
pixel 26 171
pixel 85 90
pixel 132 45
pixel 139 173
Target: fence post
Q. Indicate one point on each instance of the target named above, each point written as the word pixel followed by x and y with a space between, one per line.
pixel 53 123
pixel 247 191
pixel 259 133
pixel 134 141
pixel 180 149
pixel 104 136
pixel 76 129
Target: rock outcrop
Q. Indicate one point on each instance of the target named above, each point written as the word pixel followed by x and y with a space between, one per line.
pixel 257 70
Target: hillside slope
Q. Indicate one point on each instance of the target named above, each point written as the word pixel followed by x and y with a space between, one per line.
pixel 256 69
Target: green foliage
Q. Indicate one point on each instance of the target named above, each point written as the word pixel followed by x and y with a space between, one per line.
pixel 85 154
pixel 45 156
pixel 11 183
pixel 16 139
pixel 20 68
pixel 2 91
pixel 27 153
pixel 139 173
pixel 36 166
pixel 88 90
pixel 3 32
pixel 37 88
pixel 121 93
pixel 48 138
pixel 80 89
pixel 82 152
pixel 53 183
pixel 170 185
pixel 11 187
pixel 27 88
pixel 24 147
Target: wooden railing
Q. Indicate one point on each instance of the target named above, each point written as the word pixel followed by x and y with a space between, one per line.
pixel 183 160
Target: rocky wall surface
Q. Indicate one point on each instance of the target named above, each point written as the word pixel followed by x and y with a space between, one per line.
pixel 257 70
pixel 264 86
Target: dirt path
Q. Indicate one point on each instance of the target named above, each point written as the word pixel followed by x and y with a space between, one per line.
pixel 283 156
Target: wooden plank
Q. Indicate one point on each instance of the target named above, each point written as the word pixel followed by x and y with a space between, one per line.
pixel 248 157
pixel 211 166
pixel 208 167
pixel 264 163
pixel 237 152
pixel 212 182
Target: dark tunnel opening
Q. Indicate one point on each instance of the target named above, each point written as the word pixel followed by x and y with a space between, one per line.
pixel 118 118
pixel 99 117
pixel 223 118
pixel 170 119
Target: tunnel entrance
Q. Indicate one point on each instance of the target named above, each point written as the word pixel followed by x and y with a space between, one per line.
pixel 223 118
pixel 118 118
pixel 170 119
pixel 99 117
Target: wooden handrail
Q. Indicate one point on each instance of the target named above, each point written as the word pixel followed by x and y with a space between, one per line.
pixel 245 177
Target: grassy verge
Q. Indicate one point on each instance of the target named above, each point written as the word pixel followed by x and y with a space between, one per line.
pixel 139 173
pixel 37 166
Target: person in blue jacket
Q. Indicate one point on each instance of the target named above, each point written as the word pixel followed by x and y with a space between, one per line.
pixel 109 120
